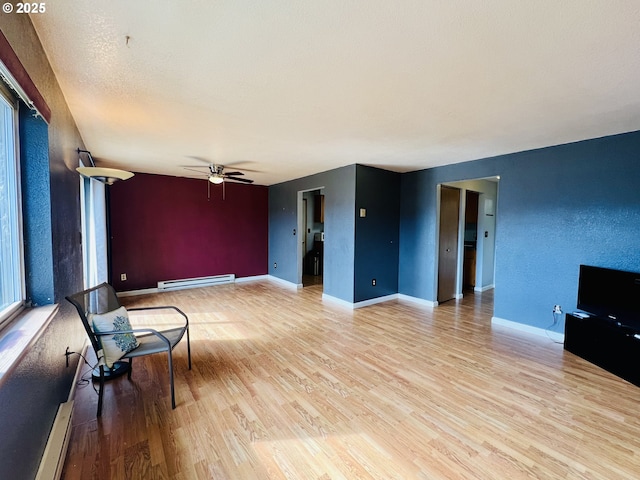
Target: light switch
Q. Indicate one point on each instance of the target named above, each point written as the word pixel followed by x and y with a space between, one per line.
pixel 363 212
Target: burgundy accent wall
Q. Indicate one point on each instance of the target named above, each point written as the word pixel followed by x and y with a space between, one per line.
pixel 164 228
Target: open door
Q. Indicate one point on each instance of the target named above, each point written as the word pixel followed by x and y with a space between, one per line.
pixel 448 242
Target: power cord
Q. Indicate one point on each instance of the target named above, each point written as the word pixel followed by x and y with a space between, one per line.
pixel 85 378
pixel 556 312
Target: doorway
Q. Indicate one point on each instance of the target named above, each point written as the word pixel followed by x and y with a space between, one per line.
pixel 470 240
pixel 311 244
pixel 474 261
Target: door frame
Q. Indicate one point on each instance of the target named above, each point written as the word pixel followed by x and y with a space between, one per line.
pixel 454 183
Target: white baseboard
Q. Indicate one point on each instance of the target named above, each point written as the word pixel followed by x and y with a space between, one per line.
pixel 55 451
pixel 143 291
pixel 363 303
pixel 541 332
pixel 484 289
pixel 253 278
pixel 373 301
pixel 419 301
pixel 337 301
pixel 284 283
pixel 147 291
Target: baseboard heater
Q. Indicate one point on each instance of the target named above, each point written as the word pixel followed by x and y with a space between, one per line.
pixel 196 282
pixel 56 449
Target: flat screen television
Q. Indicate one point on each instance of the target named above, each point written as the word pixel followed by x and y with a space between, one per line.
pixel 610 294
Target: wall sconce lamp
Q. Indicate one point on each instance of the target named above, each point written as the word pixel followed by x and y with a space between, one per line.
pixel 107 176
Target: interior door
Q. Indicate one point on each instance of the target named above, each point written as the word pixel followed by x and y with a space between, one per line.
pixel 448 242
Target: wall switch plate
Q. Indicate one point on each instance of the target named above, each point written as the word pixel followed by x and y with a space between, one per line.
pixel 123 277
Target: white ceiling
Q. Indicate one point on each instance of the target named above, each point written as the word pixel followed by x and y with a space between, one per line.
pixel 292 88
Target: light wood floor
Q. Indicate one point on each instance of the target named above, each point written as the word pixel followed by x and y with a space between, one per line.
pixel 286 386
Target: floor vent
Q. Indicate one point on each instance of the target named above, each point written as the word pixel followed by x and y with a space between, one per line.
pixel 56 449
pixel 196 282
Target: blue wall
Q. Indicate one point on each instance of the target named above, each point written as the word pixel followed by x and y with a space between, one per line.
pixel 377 234
pixel 557 207
pixel 339 228
pixel 34 175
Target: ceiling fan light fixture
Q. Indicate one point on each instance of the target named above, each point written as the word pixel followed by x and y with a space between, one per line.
pixel 216 179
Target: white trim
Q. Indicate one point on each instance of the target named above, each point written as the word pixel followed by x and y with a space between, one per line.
pixel 484 289
pixel 285 283
pixel 146 291
pixel 337 301
pixel 373 301
pixel 143 291
pixel 419 301
pixel 541 332
pixel 55 451
pixel 254 278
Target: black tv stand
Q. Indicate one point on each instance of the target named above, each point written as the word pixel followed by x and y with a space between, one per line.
pixel 605 342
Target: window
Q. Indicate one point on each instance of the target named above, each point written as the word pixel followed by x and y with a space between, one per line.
pixel 12 291
pixel 93 212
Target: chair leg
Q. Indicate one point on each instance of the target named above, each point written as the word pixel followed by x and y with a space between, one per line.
pixel 100 393
pixel 188 348
pixel 173 395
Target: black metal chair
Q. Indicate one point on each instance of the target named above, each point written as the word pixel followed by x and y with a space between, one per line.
pixel 103 299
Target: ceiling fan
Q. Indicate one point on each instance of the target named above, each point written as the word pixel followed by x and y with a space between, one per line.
pixel 217 175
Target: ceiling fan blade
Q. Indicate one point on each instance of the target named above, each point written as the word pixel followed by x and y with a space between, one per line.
pixel 233 173
pixel 194 170
pixel 243 180
pixel 241 163
pixel 200 159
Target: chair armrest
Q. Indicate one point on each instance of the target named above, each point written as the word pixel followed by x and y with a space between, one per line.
pixel 137 330
pixel 138 309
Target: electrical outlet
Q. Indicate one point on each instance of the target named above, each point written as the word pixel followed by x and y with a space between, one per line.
pixel 275 265
pixel 123 277
pixel 557 309
pixel 373 282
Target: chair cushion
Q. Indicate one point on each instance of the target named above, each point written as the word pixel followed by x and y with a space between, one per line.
pixel 114 346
